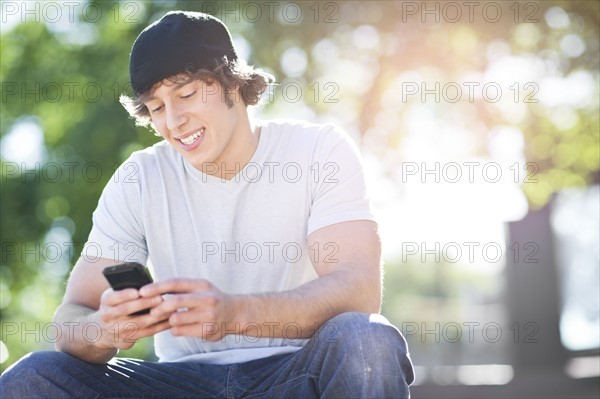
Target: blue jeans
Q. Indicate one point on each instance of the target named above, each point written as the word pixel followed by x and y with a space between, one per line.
pixel 366 357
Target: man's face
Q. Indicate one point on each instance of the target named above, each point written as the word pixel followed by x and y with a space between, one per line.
pixel 193 117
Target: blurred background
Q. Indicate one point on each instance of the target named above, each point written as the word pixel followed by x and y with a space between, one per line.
pixel 479 127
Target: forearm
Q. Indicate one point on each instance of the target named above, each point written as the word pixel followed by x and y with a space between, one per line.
pixel 79 335
pixel 298 313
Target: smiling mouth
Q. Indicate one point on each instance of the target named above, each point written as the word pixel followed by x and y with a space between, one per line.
pixel 191 139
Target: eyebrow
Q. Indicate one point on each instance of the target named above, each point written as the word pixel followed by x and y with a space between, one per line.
pixel 149 97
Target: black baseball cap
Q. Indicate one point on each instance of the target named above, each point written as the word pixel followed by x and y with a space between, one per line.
pixel 180 41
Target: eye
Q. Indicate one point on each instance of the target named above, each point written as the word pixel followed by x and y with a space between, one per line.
pixel 189 95
pixel 156 109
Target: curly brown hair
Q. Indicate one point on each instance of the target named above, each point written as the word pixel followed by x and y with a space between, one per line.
pixel 233 76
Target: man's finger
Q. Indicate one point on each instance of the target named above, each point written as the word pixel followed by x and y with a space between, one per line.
pixel 177 285
pixel 154 329
pixel 124 310
pixel 114 298
pixel 175 302
pixel 189 317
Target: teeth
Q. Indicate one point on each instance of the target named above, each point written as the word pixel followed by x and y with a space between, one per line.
pixel 190 139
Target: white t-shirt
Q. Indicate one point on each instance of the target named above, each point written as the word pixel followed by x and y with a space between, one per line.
pixel 244 235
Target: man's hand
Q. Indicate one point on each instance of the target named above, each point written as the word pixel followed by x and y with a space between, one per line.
pixel 351 282
pixel 194 307
pixel 119 327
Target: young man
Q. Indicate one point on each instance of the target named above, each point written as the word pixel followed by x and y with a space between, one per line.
pixel 258 234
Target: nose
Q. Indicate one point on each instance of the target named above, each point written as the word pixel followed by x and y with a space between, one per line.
pixel 176 118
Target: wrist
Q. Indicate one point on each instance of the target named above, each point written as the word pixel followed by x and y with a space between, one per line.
pixel 238 312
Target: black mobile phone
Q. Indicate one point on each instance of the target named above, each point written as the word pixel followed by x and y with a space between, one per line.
pixel 128 275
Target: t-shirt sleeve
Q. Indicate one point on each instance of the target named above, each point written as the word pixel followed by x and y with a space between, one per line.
pixel 117 232
pixel 339 191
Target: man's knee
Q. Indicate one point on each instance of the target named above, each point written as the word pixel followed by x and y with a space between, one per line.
pixel 32 361
pixel 354 328
pixel 370 338
pixel 29 372
pixel 360 355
